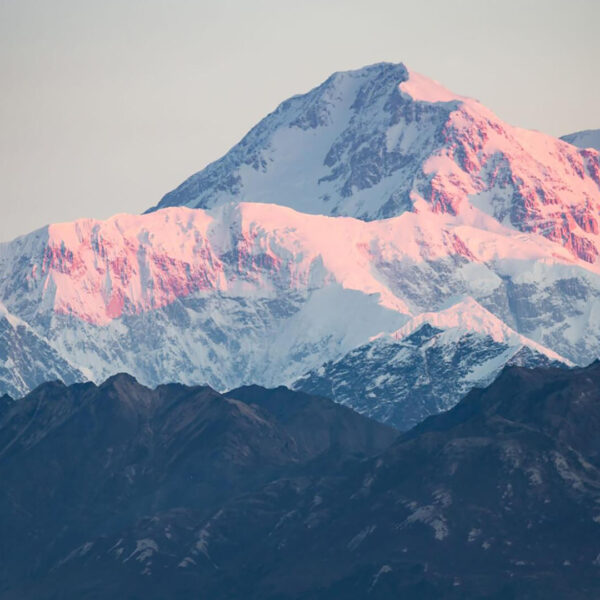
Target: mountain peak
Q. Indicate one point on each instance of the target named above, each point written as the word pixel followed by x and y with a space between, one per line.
pixel 427 365
pixel 468 316
pixel 121 380
pixel 375 71
pixel 376 142
pixel 422 89
pixel 415 86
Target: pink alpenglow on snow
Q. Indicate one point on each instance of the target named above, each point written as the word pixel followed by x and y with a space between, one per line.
pixel 557 185
pixel 98 270
pixel 128 264
pixel 423 89
pixel 367 206
pixel 382 140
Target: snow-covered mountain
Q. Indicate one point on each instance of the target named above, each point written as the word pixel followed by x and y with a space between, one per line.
pixel 590 138
pixel 382 140
pixel 27 359
pixel 427 364
pixel 261 293
pixel 345 215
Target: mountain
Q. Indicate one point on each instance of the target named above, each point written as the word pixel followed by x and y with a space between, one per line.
pixel 179 491
pixel 426 366
pixel 100 460
pixel 381 140
pixel 590 138
pixel 431 200
pixel 27 359
pixel 260 293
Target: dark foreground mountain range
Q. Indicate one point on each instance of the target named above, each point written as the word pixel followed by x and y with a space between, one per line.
pixel 119 491
pixel 83 464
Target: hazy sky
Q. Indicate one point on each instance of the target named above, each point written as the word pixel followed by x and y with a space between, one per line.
pixel 106 105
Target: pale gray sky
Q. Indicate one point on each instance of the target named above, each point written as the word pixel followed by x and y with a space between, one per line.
pixel 106 105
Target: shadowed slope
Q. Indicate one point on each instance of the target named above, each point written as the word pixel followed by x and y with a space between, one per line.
pixel 83 463
pixel 497 498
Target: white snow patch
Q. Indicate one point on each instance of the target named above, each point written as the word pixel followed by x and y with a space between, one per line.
pixel 360 537
pixel 144 549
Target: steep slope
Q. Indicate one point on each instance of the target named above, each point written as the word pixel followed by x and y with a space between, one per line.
pixel 381 140
pixel 443 202
pixel 497 498
pixel 323 427
pixel 254 293
pixel 590 138
pixel 27 359
pixel 99 460
pixel 427 366
pixel 257 293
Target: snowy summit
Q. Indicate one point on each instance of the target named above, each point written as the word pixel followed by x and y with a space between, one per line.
pixel 379 216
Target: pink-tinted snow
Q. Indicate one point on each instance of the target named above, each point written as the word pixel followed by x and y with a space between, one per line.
pixel 483 161
pixel 495 192
pixel 100 270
